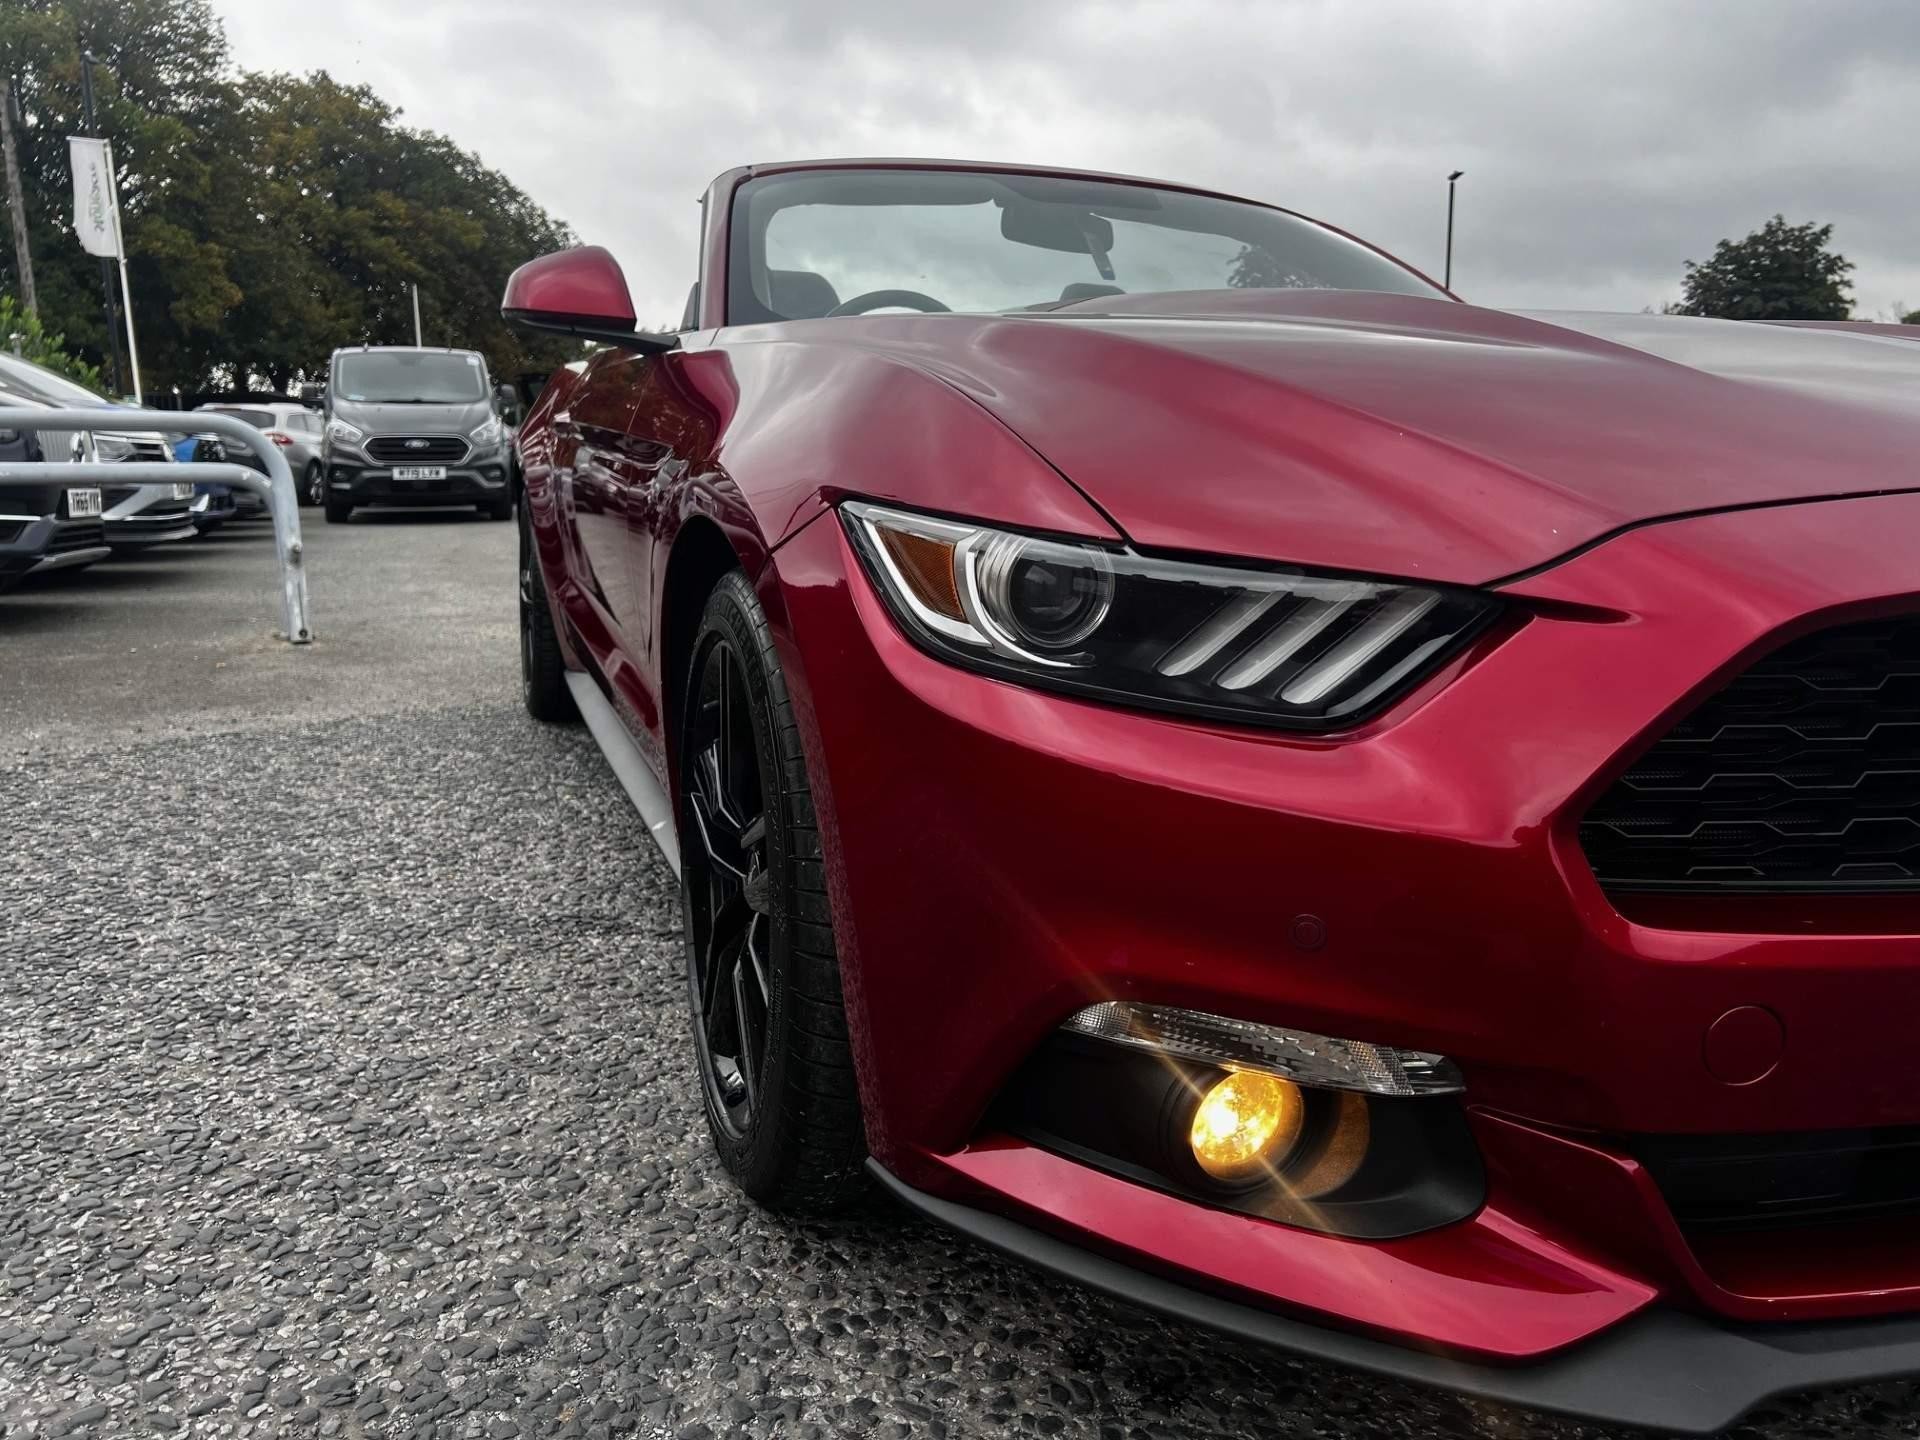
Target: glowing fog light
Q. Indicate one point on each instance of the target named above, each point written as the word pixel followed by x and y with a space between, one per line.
pixel 1246 1125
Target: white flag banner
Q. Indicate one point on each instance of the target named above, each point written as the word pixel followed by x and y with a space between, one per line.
pixel 93 196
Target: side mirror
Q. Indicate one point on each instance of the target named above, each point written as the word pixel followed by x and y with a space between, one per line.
pixel 506 404
pixel 578 292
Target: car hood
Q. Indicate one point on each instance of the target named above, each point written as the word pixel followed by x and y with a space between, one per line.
pixel 1411 436
pixel 382 419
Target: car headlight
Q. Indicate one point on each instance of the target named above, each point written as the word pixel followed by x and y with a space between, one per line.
pixel 343 433
pixel 487 434
pixel 110 449
pixel 1262 646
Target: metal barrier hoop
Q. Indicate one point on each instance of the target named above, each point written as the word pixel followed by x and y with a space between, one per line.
pixel 276 486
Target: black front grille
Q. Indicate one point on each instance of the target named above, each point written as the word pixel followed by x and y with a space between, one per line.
pixel 1802 775
pixel 112 495
pixel 417 449
pixel 1746 1182
pixel 77 535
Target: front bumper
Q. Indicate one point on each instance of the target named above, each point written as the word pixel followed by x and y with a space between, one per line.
pixel 1662 1369
pixel 478 481
pixel 49 542
pixel 1001 857
pixel 213 507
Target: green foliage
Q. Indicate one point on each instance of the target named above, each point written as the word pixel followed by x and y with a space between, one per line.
pixel 1255 268
pixel 269 218
pixel 1779 272
pixel 1912 317
pixel 40 347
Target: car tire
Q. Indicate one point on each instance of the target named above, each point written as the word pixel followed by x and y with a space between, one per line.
pixel 762 970
pixel 338 510
pixel 543 670
pixel 313 484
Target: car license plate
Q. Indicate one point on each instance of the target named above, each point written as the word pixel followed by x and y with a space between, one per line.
pixel 419 472
pixel 82 503
pixel 183 490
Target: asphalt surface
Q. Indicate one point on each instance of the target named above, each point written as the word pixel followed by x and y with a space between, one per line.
pixel 345 1086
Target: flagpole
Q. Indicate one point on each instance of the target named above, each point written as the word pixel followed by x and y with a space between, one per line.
pixel 126 291
pixel 92 131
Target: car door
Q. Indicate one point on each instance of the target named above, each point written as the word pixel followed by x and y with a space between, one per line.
pixel 591 442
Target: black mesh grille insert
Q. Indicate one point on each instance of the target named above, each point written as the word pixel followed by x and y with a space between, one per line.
pixel 77 535
pixel 1802 775
pixel 418 449
pixel 1733 1182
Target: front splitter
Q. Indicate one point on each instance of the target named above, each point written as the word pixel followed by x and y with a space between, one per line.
pixel 1661 1369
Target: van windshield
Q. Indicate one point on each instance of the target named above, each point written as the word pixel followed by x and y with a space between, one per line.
pixel 410 377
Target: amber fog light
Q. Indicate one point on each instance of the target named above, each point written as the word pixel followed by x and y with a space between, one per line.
pixel 1245 1126
pixel 1333 1135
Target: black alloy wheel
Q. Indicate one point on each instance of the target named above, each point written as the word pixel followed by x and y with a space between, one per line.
pixel 313 484
pixel 731 904
pixel 763 975
pixel 543 670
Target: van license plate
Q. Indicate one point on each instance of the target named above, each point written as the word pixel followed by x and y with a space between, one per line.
pixel 419 472
pixel 183 490
pixel 82 504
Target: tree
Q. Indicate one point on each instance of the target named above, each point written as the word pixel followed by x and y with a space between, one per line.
pixel 1912 317
pixel 269 218
pixel 357 210
pixel 1779 272
pixel 1255 268
pixel 19 326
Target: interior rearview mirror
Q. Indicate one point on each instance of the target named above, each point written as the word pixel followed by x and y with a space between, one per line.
pixel 1056 227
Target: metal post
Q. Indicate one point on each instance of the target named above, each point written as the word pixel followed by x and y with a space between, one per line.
pixel 87 63
pixel 126 292
pixel 416 317
pixel 1451 180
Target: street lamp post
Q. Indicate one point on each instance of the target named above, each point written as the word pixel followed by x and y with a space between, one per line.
pixel 1451 181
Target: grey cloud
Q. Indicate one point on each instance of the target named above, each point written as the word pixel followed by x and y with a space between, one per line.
pixel 1605 141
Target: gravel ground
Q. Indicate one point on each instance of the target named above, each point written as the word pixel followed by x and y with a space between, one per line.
pixel 345 1090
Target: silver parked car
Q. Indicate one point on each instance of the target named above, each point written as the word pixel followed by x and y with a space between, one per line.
pixel 295 429
pixel 134 516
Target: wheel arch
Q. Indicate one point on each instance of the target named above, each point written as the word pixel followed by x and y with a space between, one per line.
pixel 700 556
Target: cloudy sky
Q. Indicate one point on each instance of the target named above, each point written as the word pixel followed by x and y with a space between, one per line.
pixel 1604 141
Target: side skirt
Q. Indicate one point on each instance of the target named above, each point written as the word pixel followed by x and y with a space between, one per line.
pixel 629 766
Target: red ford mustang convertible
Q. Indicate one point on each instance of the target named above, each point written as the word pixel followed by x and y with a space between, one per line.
pixel 1384 827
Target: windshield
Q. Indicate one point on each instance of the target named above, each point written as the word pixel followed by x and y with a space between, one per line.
pixel 259 419
pixel 25 378
pixel 423 377
pixel 807 243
